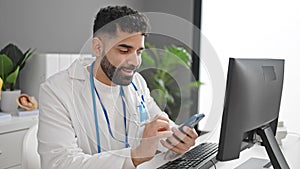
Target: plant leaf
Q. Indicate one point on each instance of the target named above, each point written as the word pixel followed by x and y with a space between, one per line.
pixel 14 53
pixel 26 56
pixel 148 61
pixel 181 54
pixel 6 66
pixel 12 78
pixel 195 84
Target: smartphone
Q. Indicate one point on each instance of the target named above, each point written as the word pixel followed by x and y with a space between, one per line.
pixel 192 121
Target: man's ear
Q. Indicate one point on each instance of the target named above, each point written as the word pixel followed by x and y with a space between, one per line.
pixel 97 46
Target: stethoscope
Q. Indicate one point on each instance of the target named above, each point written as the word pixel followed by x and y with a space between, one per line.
pixel 141 108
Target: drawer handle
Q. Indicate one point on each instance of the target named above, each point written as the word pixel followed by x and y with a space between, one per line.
pixel 0 152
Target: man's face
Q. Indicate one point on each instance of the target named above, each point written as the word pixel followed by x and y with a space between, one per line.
pixel 123 57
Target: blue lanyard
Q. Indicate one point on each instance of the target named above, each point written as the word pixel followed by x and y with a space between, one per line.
pixel 93 88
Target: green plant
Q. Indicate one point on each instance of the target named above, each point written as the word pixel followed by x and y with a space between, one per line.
pixel 159 67
pixel 12 60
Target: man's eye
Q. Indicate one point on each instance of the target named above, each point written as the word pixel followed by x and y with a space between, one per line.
pixel 124 51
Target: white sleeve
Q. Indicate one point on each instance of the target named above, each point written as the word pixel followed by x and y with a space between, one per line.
pixel 153 108
pixel 57 143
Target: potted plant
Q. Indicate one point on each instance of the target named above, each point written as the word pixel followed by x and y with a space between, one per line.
pixel 12 60
pixel 160 68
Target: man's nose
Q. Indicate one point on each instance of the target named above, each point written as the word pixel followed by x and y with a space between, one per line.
pixel 134 59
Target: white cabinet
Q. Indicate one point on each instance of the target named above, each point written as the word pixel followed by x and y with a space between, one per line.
pixel 11 138
pixel 41 66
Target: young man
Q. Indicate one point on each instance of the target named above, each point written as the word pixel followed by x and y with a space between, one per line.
pixel 102 115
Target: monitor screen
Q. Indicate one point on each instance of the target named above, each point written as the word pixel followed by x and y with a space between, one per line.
pixel 251 107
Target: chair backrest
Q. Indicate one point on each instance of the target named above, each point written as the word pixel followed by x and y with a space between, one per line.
pixel 30 156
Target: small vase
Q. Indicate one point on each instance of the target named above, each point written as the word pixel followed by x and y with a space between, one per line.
pixel 9 101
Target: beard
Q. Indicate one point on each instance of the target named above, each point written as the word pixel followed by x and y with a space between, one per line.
pixel 114 73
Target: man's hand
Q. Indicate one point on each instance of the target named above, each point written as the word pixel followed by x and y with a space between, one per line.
pixel 180 142
pixel 153 131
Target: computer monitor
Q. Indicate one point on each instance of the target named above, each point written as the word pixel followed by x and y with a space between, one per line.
pixel 251 108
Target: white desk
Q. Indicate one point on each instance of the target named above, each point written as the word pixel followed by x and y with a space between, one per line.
pixel 11 139
pixel 290 149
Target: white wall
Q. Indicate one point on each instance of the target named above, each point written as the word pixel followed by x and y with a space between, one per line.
pixel 65 26
pixel 256 28
pixel 51 26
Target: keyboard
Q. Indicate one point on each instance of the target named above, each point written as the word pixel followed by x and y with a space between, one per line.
pixel 202 156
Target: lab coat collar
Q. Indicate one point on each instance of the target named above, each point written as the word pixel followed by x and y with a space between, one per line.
pixel 77 70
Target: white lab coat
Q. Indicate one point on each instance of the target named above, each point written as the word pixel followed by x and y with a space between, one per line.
pixel 66 135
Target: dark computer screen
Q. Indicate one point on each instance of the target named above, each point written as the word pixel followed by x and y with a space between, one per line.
pixel 251 108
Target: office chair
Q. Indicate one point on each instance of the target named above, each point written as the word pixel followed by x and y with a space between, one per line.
pixel 30 156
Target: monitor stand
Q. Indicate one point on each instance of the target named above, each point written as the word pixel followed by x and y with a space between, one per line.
pixel 275 155
pixel 256 163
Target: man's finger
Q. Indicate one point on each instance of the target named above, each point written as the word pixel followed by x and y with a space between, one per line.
pixel 184 138
pixel 179 134
pixel 161 125
pixel 161 118
pixel 171 147
pixel 191 132
pixel 164 134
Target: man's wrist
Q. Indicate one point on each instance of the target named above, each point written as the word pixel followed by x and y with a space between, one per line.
pixel 138 158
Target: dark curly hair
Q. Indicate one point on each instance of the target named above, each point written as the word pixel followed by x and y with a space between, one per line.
pixel 127 19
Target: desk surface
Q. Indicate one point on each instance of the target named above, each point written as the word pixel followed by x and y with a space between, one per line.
pixel 18 123
pixel 290 148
